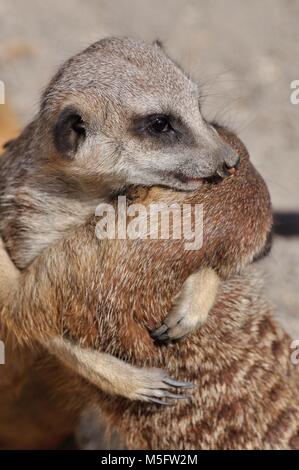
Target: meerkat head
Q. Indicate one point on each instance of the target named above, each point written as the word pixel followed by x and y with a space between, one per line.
pixel 123 110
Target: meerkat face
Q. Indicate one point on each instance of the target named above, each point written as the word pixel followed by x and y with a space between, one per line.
pixel 123 110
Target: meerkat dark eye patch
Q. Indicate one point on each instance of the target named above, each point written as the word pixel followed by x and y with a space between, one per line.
pixel 69 131
pixel 154 125
pixel 165 129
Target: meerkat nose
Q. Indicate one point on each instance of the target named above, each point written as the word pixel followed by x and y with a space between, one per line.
pixel 230 170
pixel 230 162
pixel 231 158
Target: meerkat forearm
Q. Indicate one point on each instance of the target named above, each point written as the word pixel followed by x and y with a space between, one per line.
pixel 8 273
pixel 114 376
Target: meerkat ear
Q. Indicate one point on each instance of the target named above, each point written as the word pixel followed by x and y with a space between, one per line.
pixel 69 131
pixel 158 43
pixel 9 143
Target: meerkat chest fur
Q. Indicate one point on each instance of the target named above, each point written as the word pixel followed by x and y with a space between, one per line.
pixel 35 215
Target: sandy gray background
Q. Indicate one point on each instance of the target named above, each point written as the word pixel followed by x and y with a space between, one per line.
pixel 245 55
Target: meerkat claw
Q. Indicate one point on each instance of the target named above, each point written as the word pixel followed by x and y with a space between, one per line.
pixel 176 383
pixel 158 386
pixel 161 334
pixel 166 398
pixel 158 402
pixel 175 396
pixel 160 331
pixel 175 329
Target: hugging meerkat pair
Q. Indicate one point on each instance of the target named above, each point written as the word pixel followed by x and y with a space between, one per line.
pixel 234 358
pixel 120 113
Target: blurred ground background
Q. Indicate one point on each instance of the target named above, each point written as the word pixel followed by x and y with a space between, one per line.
pixel 245 55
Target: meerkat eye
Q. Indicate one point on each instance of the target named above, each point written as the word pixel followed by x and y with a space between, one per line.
pixel 78 126
pixel 69 131
pixel 159 125
pixel 154 125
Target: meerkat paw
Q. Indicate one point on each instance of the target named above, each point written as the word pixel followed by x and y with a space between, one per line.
pixel 8 272
pixel 7 267
pixel 191 308
pixel 181 321
pixel 155 386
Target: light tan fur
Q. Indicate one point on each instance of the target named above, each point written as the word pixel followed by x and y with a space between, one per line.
pixel 8 273
pixel 9 127
pixel 192 305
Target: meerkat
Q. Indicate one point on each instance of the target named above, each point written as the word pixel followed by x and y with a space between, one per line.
pixel 120 113
pixel 229 409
